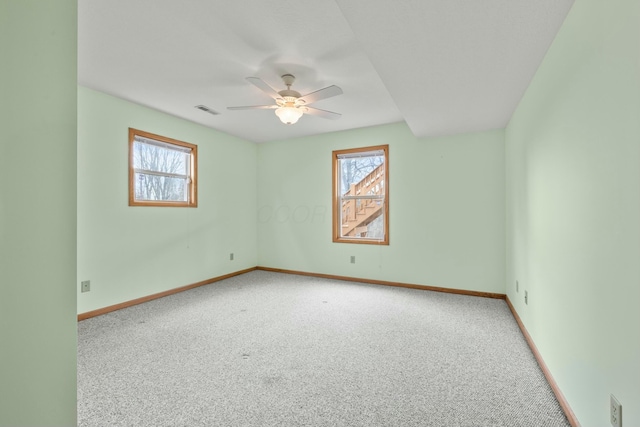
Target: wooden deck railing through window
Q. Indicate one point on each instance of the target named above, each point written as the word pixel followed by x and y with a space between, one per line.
pixel 358 213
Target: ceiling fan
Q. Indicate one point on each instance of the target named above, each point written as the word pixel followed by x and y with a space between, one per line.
pixel 290 105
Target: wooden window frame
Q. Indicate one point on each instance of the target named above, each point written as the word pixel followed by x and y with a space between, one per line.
pixel 192 190
pixel 337 197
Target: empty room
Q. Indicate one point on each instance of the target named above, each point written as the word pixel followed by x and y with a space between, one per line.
pixel 339 213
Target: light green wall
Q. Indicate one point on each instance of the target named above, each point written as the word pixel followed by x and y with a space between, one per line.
pixel 446 216
pixel 37 213
pixel 573 209
pixel 130 252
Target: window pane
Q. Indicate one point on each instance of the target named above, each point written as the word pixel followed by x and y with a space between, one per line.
pixel 161 159
pixel 367 171
pixel 362 218
pixel 154 187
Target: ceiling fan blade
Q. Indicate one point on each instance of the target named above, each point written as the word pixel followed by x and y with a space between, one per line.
pixel 260 84
pixel 322 113
pixel 325 93
pixel 254 107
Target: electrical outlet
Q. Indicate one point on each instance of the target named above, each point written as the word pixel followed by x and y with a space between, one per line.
pixel 85 286
pixel 616 412
pixel 526 297
pixel 517 286
pixel 231 256
pixel 353 259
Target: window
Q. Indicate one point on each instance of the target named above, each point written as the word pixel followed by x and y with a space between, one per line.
pixel 162 171
pixel 361 195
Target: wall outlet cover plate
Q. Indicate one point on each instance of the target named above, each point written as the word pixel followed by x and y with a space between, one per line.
pixel 85 286
pixel 616 412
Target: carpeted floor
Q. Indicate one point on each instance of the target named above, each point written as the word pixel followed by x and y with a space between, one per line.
pixel 269 349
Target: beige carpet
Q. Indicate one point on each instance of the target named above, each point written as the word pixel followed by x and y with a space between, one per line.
pixel 269 349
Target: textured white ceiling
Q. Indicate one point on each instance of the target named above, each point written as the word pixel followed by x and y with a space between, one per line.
pixel 443 66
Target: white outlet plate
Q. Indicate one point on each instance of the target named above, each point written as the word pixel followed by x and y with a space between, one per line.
pixel 616 412
pixel 85 286
pixel 517 286
pixel 526 297
pixel 353 259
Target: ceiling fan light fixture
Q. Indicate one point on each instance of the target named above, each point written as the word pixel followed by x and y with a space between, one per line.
pixel 289 115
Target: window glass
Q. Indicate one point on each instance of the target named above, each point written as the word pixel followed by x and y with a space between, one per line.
pixel 360 208
pixel 162 171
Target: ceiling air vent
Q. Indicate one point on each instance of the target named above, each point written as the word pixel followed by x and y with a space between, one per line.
pixel 207 109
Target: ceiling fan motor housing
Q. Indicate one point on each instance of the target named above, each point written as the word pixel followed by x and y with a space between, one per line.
pixel 290 96
pixel 289 99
